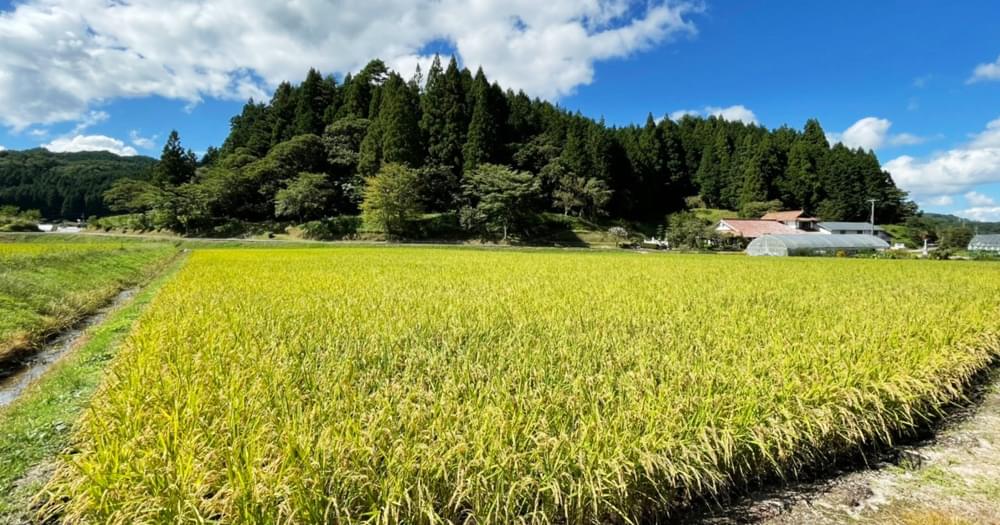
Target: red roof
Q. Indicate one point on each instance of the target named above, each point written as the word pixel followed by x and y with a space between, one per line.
pixel 753 228
pixel 783 215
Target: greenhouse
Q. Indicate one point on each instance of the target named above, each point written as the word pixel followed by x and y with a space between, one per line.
pixel 814 244
pixel 985 243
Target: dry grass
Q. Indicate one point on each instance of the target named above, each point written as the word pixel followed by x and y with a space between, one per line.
pixel 435 385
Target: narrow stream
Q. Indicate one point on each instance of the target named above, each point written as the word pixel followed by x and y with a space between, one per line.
pixel 16 376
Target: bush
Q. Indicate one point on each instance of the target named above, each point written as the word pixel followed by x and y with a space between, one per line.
pixel 14 220
pixel 941 254
pixel 332 228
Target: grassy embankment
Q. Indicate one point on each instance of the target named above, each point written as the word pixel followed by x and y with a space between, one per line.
pixel 37 425
pixel 429 385
pixel 47 286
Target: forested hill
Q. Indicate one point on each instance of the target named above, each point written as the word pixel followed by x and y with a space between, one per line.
pixel 458 144
pixel 64 185
pixel 453 121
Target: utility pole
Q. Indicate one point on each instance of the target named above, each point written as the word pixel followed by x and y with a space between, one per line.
pixel 873 215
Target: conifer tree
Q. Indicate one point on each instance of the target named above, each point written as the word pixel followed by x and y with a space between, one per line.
pixel 480 145
pixel 176 166
pixel 444 119
pixel 802 180
pixel 283 106
pixel 398 120
pixel 360 89
pixel 314 97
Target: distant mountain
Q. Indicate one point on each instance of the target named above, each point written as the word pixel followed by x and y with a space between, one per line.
pixel 945 220
pixel 64 185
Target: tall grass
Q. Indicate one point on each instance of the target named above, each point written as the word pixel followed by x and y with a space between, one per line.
pixel 45 287
pixel 433 385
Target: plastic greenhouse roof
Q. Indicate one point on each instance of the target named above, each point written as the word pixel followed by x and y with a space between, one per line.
pixel 985 242
pixel 819 241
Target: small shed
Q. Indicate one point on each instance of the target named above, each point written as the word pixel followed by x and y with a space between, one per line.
pixel 985 243
pixel 814 244
pixel 849 228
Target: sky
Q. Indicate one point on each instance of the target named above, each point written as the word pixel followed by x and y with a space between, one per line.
pixel 916 81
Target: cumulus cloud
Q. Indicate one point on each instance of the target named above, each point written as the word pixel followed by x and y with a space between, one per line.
pixel 681 113
pixel 737 113
pixel 941 200
pixel 988 71
pixel 2 148
pixel 976 199
pixel 906 139
pixel 873 133
pixel 986 214
pixel 953 171
pixel 91 119
pixel 61 56
pixel 142 142
pixel 90 143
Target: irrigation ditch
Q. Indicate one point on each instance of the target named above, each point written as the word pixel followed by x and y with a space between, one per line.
pixel 17 374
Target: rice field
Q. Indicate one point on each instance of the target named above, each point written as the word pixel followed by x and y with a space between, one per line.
pixel 422 385
pixel 47 286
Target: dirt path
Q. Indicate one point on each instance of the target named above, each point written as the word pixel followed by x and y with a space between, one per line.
pixel 950 478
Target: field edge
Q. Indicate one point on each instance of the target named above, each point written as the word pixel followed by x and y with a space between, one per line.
pixel 37 427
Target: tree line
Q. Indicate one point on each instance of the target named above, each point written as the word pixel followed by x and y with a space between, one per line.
pixel 453 142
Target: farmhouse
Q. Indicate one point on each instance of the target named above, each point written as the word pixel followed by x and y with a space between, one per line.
pixel 793 219
pixel 752 228
pixel 814 244
pixel 985 243
pixel 852 228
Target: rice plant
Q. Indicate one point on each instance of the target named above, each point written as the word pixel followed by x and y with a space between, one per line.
pixel 420 385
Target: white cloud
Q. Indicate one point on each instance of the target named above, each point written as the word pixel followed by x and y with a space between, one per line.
pixel 681 113
pixel 737 113
pixel 867 133
pixel 906 139
pixel 62 56
pixel 977 199
pixel 2 148
pixel 873 133
pixel 922 81
pixel 38 133
pixel 142 142
pixel 941 200
pixel 90 143
pixel 91 119
pixel 987 214
pixel 988 71
pixel 954 171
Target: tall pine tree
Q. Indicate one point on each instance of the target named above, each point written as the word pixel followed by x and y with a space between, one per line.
pixel 481 142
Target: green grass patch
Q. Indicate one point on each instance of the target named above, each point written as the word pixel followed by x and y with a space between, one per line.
pixel 46 286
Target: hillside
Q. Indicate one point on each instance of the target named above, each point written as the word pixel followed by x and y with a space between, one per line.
pixel 947 221
pixel 64 185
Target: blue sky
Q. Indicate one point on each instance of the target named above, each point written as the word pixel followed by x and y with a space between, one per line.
pixel 917 81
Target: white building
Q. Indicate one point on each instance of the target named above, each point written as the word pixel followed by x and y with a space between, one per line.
pixel 852 228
